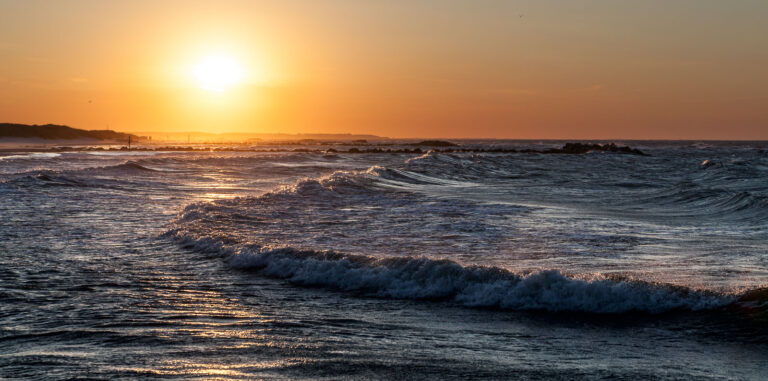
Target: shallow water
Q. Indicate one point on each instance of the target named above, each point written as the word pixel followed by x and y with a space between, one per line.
pixel 312 265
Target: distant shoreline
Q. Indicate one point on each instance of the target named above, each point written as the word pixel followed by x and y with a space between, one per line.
pixel 437 146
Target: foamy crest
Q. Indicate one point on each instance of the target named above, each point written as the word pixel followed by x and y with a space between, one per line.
pixel 36 155
pixel 472 286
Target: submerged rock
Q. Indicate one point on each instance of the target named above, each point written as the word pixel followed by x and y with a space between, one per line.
pixel 708 163
pixel 434 143
pixel 581 148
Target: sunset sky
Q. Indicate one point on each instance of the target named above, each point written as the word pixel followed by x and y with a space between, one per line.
pixel 506 69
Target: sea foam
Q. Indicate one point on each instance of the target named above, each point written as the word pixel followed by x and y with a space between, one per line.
pixel 472 286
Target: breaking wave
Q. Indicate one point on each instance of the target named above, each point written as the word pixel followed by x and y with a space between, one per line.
pixel 58 179
pixel 129 166
pixel 35 155
pixel 471 286
pixel 79 177
pixel 249 233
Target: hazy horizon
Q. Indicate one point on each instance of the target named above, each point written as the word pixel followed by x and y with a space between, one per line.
pixel 175 135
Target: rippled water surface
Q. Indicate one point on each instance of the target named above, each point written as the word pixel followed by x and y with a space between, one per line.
pixel 337 265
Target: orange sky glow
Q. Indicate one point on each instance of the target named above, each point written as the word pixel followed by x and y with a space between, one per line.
pixel 686 69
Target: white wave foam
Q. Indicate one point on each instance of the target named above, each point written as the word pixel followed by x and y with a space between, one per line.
pixel 429 155
pixel 36 155
pixel 124 153
pixel 473 286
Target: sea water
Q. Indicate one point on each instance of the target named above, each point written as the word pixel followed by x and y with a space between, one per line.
pixel 328 264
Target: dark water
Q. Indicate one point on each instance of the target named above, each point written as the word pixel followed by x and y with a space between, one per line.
pixel 309 265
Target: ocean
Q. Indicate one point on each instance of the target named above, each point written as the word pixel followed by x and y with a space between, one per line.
pixel 318 263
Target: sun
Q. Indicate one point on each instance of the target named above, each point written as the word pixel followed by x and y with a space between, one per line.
pixel 217 72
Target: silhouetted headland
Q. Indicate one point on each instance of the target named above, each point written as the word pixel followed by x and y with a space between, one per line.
pixel 55 132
